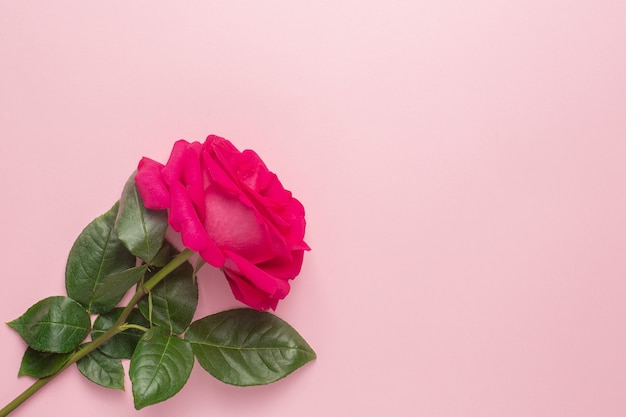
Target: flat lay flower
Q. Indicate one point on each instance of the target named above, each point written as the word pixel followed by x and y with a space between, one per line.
pixel 227 208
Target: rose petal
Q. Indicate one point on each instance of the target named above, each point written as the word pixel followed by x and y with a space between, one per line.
pixel 284 269
pixel 249 294
pixel 213 255
pixel 236 227
pixel 294 215
pixel 218 174
pixel 193 178
pixel 176 163
pixel 150 185
pixel 251 172
pixel 224 151
pixel 184 219
pixel 272 286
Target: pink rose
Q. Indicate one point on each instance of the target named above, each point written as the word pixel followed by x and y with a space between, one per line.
pixel 234 212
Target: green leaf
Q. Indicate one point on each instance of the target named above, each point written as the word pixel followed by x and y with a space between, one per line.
pixel 54 324
pixel 122 345
pixel 41 364
pixel 102 370
pixel 247 347
pixel 96 255
pixel 110 292
pixel 142 230
pixel 165 254
pixel 160 367
pixel 174 300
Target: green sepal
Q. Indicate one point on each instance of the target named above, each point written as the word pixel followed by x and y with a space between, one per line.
pixel 102 370
pixel 247 347
pixel 121 345
pixel 54 324
pixel 96 256
pixel 174 300
pixel 160 367
pixel 142 230
pixel 42 364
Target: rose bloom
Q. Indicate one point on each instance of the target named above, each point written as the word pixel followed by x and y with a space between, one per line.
pixel 233 211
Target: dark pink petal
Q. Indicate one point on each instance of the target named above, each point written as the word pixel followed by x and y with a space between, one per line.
pixel 213 255
pixel 273 193
pixel 236 227
pixel 176 163
pixel 251 172
pixel 150 185
pixel 272 286
pixel 222 150
pixel 229 165
pixel 294 215
pixel 184 219
pixel 280 247
pixel 218 175
pixel 248 293
pixel 272 208
pixel 284 269
pixel 283 243
pixel 193 177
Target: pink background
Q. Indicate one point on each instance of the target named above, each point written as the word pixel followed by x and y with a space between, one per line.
pixel 462 163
